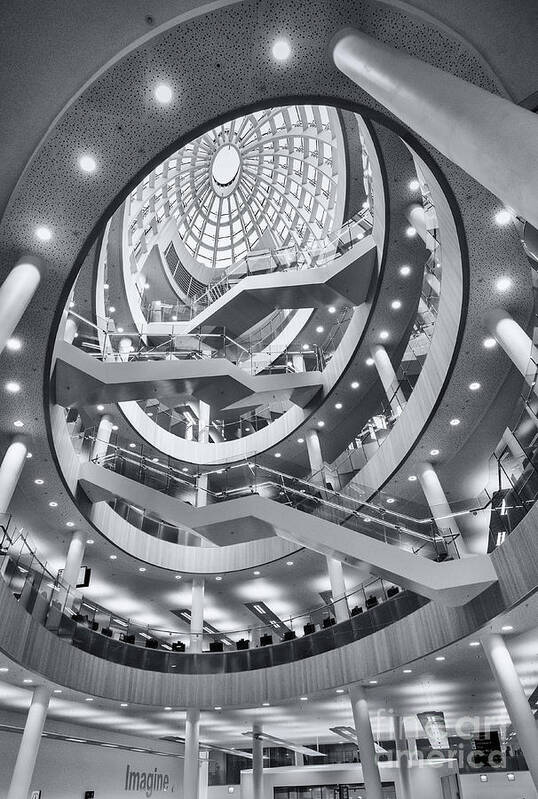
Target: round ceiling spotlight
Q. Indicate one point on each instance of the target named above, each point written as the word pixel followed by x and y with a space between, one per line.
pixel 163 94
pixel 281 50
pixel 87 163
pixel 43 233
pixel 503 284
pixel 489 343
pixel 405 270
pixel 414 185
pixel 503 217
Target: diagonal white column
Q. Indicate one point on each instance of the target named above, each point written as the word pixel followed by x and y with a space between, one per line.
pixel 514 698
pixel 15 294
pixel 439 507
pixel 365 738
pixel 10 471
pixel 29 746
pixel 493 139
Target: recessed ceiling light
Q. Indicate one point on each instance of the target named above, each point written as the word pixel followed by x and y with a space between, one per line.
pixel 146 285
pixel 321 423
pixel 90 541
pixel 338 406
pixel 414 185
pixel 289 563
pixel 43 233
pixel 281 50
pixel 38 481
pixel 168 708
pixel 218 578
pixel 218 707
pixel 440 658
pixel 340 691
pixel 120 329
pixel 13 387
pixel 100 407
pixel 114 427
pixel 124 704
pixel 412 478
pixel 87 163
pixel 384 334
pixel 474 386
pixel 112 309
pixel 13 344
pixel 113 557
pixel 300 440
pixel 304 698
pixel 306 346
pixel 163 93
pixel 408 671
pixel 89 699
pixel 155 460
pixel 372 682
pixel 179 576
pixel 455 422
pixel 331 309
pixel 391 501
pixel 474 643
pixel 185 469
pixel 369 361
pixel 18 423
pixel 366 204
pixel 405 271
pixel 355 384
pixel 278 454
pixel 396 305
pixel 256 573
pixel 503 284
pixel 434 452
pixel 27 681
pixel 4 669
pixel 29 455
pixel 53 504
pixel 106 286
pixel 320 329
pixel 410 231
pixel 506 628
pixel 142 569
pixel 266 704
pixel 57 691
pixel 489 343
pixel 503 217
pixel 132 445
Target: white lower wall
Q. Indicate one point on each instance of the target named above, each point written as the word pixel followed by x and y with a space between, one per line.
pixel 66 770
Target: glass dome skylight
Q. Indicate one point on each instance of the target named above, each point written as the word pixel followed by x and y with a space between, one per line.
pixel 264 180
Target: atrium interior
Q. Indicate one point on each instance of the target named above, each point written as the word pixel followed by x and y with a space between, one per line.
pixel 269 419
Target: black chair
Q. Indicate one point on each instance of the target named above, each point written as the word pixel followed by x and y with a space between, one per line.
pixel 266 640
pixel 356 611
pixel 216 646
pixel 178 646
pixel 393 590
pixel 93 625
pixel 371 602
pixel 243 643
pixel 309 629
pixel 129 639
pixel 329 621
pixel 152 643
pixel 107 631
pixel 289 635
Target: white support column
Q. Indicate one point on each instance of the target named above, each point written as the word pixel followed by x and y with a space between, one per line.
pixel 124 349
pixel 204 775
pixel 102 439
pixel 388 378
pixel 298 362
pixel 365 738
pixel 29 745
pixel 299 759
pixel 191 768
pixel 514 698
pixel 197 614
pixel 71 330
pixel 493 139
pixel 417 219
pixel 438 504
pixel 73 562
pixel 15 294
pixel 514 341
pixel 402 755
pixel 204 416
pixel 313 447
pixel 338 589
pixel 10 471
pixel 257 762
